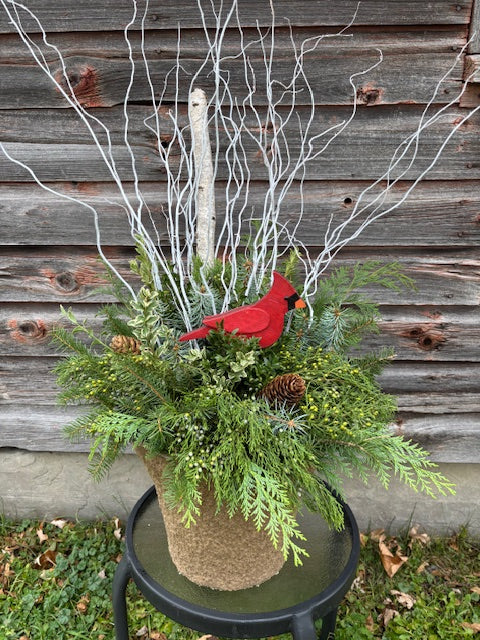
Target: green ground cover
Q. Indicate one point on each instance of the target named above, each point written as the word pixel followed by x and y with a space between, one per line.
pixel 55 584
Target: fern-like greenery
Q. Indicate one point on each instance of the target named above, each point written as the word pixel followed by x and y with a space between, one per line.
pixel 201 404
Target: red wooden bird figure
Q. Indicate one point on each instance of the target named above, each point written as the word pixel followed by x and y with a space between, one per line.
pixel 263 319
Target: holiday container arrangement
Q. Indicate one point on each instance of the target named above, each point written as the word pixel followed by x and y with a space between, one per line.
pixel 228 366
pixel 241 421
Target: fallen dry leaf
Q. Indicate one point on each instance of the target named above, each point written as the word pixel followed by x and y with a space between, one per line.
pixel 118 530
pixel 421 568
pixel 376 534
pixel 60 523
pixel 82 604
pixel 41 536
pixel 101 574
pixel 415 536
pixel 369 624
pixel 363 539
pixel 45 560
pixel 391 562
pixel 388 613
pixel 142 632
pixel 453 543
pixel 474 626
pixel 5 574
pixel 405 599
pixel 475 590
pixel 208 637
pixel 359 581
pixel 157 635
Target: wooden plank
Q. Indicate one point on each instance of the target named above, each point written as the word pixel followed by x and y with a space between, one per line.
pixel 443 214
pixel 471 98
pixel 393 41
pixel 403 377
pixel 100 78
pixel 71 277
pixel 439 404
pixel 73 274
pixel 86 15
pixel 449 438
pixel 75 162
pixel 362 152
pixel 420 388
pixel 474 31
pixel 430 333
pixel 38 428
pixel 472 68
pixel 27 381
pixel 388 123
pixel 416 333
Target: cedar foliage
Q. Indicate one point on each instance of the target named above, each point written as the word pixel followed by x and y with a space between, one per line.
pixel 202 405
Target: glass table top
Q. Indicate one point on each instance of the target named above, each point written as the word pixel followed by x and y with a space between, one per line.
pixel 329 552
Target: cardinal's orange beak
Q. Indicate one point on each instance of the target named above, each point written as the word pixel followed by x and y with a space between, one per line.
pixel 300 304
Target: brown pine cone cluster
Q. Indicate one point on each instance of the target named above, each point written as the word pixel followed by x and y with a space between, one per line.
pixel 288 388
pixel 125 344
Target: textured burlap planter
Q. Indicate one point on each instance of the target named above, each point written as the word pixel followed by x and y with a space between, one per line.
pixel 218 551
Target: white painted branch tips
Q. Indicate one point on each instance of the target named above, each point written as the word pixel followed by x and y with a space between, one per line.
pixel 273 142
pixel 204 175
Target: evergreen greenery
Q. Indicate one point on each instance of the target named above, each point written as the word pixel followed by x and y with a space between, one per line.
pixel 202 405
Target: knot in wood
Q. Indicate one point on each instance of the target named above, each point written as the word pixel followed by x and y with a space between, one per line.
pixel 66 282
pixel 32 329
pixel 369 95
pixel 426 338
pixel 84 84
pixel 431 340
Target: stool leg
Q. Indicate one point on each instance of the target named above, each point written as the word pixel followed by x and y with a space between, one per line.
pixel 328 625
pixel 303 627
pixel 120 581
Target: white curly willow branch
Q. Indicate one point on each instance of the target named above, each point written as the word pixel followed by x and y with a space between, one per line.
pixel 198 171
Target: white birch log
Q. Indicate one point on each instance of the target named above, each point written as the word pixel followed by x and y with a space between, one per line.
pixel 204 179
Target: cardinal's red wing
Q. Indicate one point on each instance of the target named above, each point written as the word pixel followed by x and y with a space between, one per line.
pixel 246 320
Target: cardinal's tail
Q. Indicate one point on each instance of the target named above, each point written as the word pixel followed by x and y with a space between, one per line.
pixel 195 334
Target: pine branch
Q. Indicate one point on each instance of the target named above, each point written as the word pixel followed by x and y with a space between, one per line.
pixel 67 342
pixel 116 319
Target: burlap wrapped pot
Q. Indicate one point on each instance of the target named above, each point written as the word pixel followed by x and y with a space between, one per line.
pixel 218 551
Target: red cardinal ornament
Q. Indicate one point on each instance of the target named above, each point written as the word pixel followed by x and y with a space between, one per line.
pixel 263 319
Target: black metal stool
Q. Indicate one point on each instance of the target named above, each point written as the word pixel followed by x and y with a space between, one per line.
pixel 289 602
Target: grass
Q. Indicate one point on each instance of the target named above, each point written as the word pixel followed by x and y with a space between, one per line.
pixel 55 584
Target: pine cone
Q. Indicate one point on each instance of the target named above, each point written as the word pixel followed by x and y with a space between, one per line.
pixel 125 344
pixel 288 388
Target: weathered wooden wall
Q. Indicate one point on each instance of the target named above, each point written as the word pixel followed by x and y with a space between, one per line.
pixel 47 253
